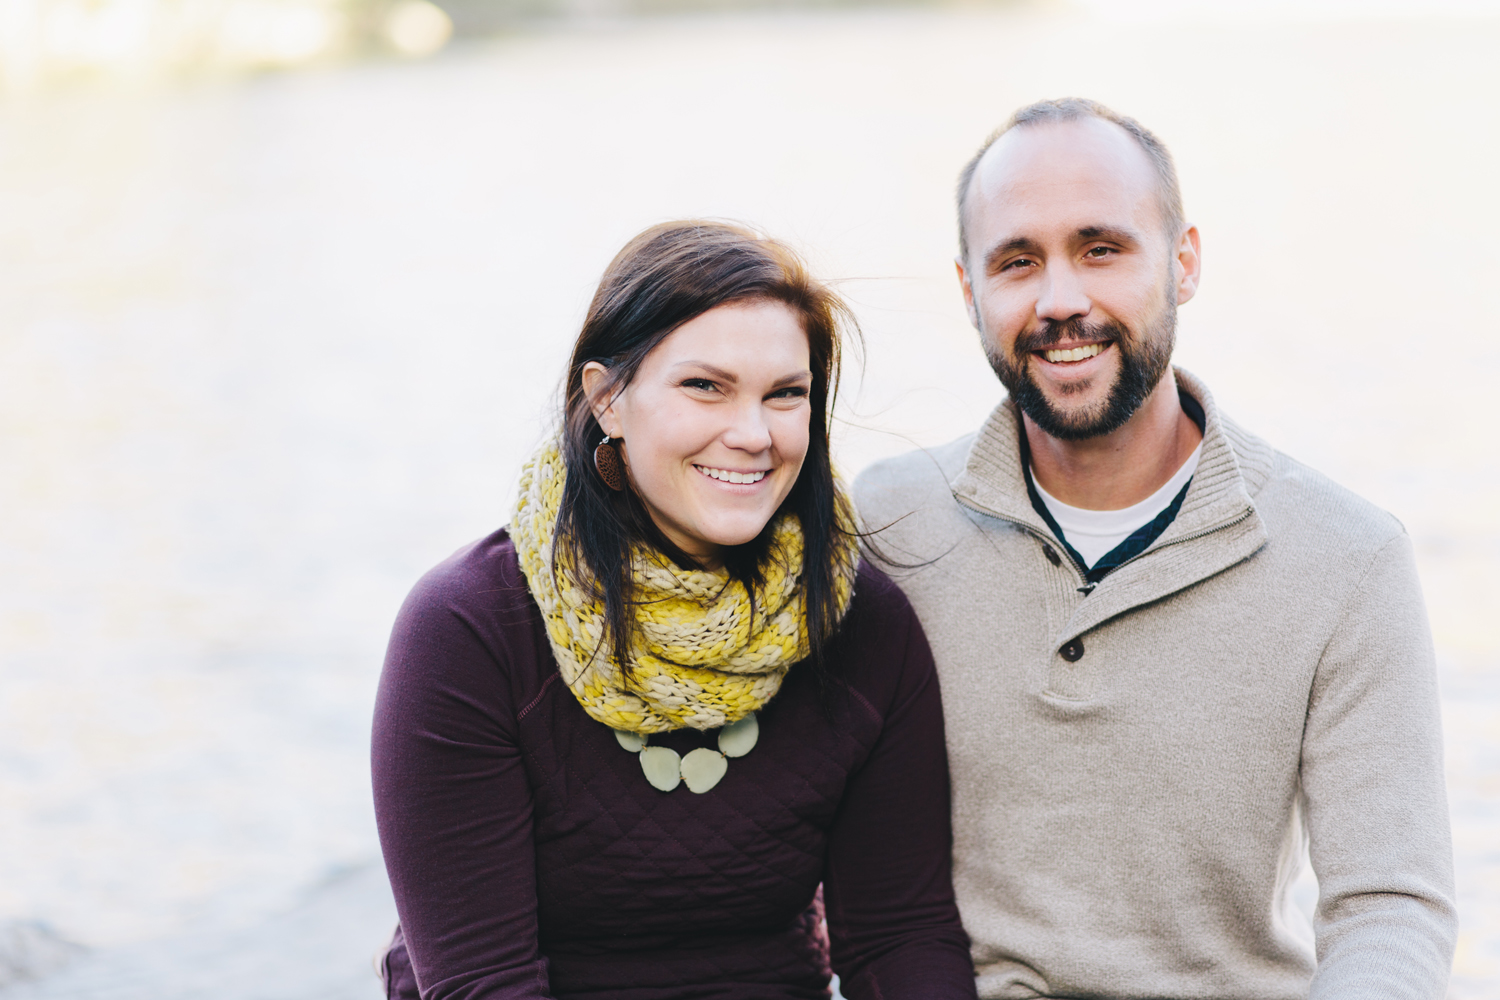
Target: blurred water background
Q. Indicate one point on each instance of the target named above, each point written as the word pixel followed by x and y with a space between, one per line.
pixel 286 285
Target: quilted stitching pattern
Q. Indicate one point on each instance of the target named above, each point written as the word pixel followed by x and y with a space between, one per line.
pixel 622 867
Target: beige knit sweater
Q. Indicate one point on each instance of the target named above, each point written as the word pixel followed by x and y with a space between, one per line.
pixel 1258 682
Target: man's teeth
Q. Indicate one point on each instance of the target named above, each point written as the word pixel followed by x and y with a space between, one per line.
pixel 724 475
pixel 1074 354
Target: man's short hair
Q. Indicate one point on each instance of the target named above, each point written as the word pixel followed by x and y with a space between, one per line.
pixel 1069 109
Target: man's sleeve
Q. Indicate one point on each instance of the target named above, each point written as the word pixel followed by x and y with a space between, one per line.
pixel 1377 811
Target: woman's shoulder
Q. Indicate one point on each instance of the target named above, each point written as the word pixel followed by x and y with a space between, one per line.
pixel 482 574
pixel 881 649
pixel 878 604
pixel 466 652
pixel 475 601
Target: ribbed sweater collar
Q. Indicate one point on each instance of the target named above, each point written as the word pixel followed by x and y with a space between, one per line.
pixel 1231 470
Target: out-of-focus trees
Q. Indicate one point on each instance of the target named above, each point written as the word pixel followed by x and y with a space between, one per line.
pixel 44 42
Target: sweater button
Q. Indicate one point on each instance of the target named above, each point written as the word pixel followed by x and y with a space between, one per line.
pixel 1051 554
pixel 1072 651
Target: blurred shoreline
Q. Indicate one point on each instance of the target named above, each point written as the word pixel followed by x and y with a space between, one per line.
pixel 68 44
pixel 51 44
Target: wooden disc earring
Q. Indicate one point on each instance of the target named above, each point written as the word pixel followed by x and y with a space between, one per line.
pixel 607 461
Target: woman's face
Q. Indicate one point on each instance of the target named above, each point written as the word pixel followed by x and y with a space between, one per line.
pixel 715 424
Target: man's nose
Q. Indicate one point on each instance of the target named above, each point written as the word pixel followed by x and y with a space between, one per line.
pixel 1062 295
pixel 748 430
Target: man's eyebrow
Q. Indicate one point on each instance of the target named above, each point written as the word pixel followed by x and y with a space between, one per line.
pixel 1112 233
pixel 1025 244
pixel 1016 244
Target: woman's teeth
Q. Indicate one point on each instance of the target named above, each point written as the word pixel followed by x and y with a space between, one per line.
pixel 725 476
pixel 1074 354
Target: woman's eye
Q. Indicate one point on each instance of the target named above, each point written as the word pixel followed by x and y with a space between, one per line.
pixel 790 392
pixel 698 383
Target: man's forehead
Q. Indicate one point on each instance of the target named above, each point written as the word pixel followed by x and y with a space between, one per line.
pixel 1064 174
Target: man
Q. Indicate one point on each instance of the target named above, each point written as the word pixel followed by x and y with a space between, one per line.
pixel 1174 660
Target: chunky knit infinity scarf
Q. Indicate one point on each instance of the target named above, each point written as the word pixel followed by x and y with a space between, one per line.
pixel 700 657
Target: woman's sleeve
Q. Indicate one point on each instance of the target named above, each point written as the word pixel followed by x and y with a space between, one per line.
pixel 453 804
pixel 892 920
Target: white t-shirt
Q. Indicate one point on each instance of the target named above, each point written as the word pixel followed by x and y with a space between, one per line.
pixel 1093 533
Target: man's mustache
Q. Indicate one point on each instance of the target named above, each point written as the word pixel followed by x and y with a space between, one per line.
pixel 1052 332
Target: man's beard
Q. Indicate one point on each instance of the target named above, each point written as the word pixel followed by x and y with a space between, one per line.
pixel 1143 361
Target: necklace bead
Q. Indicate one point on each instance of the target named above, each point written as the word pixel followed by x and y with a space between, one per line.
pixel 662 766
pixel 739 738
pixel 702 769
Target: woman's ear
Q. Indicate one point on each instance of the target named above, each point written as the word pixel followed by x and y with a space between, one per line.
pixel 595 387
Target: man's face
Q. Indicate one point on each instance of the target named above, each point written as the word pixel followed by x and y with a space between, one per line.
pixel 1070 279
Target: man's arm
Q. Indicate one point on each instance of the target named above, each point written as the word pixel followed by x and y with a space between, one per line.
pixel 1377 810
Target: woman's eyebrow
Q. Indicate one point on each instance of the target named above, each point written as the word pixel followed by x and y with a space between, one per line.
pixel 714 370
pixel 724 375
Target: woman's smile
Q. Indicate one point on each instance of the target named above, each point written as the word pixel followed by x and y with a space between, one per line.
pixel 730 477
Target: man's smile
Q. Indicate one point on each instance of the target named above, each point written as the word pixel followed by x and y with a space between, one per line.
pixel 1072 354
pixel 1065 357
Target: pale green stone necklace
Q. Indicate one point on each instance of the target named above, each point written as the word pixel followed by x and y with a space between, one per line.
pixel 702 768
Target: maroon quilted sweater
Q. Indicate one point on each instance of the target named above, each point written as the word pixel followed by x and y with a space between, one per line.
pixel 530 858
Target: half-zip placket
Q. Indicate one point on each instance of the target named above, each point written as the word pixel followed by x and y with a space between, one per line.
pixel 1082 571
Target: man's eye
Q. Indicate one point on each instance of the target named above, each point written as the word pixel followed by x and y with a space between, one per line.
pixel 1020 262
pixel 1097 252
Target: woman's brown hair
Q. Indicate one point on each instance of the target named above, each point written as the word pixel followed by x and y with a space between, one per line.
pixel 663 278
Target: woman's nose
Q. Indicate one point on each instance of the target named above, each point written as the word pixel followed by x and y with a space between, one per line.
pixel 748 431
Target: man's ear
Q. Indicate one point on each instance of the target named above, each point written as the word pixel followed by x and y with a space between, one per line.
pixel 601 401
pixel 1189 262
pixel 963 282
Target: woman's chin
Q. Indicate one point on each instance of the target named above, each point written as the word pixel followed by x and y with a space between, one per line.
pixel 732 532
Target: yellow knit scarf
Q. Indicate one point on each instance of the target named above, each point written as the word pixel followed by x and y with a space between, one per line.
pixel 699 658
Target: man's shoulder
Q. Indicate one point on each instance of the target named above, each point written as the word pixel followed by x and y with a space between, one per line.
pixel 897 486
pixel 1300 506
pixel 1299 503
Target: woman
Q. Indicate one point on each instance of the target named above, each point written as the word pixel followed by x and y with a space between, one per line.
pixel 619 745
